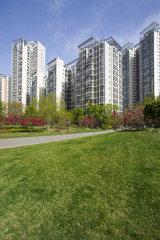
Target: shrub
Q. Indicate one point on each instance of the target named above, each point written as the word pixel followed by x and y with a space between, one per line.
pixel 133 117
pixel 152 113
pixel 115 120
pixel 89 122
pixel 105 126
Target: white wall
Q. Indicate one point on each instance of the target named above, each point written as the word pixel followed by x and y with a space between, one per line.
pixel 107 62
pixel 60 75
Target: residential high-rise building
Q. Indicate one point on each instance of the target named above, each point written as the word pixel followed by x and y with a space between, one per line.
pixel 99 73
pixel 5 88
pixel 149 60
pixel 56 78
pixel 70 80
pixel 95 77
pixel 37 69
pixel 130 75
pixel 28 70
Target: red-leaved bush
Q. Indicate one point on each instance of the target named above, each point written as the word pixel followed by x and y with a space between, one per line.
pixel 20 120
pixel 133 117
pixel 89 122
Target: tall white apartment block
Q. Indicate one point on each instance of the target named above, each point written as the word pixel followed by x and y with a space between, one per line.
pixel 28 70
pixel 130 75
pixel 150 61
pixel 56 78
pixel 70 80
pixel 99 73
pixel 5 88
pixel 37 69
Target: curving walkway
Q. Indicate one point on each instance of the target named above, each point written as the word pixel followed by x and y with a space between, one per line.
pixel 19 142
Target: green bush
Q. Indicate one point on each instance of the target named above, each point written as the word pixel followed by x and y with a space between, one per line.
pixel 105 126
pixel 21 129
pixel 73 126
pixel 152 113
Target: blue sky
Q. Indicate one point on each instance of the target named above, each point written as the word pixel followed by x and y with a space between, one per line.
pixel 61 25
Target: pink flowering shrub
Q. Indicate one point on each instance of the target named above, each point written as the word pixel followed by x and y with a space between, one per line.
pixel 89 122
pixel 35 121
pixel 12 119
pixel 133 117
pixel 115 120
pixel 20 120
pixel 1 121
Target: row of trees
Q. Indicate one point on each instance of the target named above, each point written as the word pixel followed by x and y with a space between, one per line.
pixel 52 112
pixel 47 110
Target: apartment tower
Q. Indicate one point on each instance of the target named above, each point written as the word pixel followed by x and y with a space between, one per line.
pixel 28 70
pixel 130 75
pixel 56 78
pixel 70 80
pixel 99 73
pixel 5 88
pixel 150 61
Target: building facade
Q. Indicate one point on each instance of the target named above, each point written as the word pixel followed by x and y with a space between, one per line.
pixel 5 88
pixel 106 73
pixel 28 68
pixel 70 81
pixel 99 73
pixel 56 78
pixel 130 65
pixel 149 59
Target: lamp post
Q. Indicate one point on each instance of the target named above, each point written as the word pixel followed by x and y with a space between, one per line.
pixel 67 124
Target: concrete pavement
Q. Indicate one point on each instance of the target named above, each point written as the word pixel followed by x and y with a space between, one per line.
pixel 19 142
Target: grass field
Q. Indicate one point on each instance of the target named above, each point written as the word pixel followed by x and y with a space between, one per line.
pixel 100 187
pixel 50 132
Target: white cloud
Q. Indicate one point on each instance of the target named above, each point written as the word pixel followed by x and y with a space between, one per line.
pixel 56 4
pixel 80 36
pixel 133 36
pixel 96 16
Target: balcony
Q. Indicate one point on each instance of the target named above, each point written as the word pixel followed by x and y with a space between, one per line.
pixel 90 96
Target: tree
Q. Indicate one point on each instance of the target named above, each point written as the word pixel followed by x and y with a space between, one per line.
pixel 110 113
pixel 148 99
pixel 15 108
pixel 98 112
pixel 2 110
pixel 77 114
pixel 51 109
pixel 61 114
pixel 32 109
pixel 152 113
pixel 42 108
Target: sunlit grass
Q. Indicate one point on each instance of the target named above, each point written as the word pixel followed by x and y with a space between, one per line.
pixel 100 187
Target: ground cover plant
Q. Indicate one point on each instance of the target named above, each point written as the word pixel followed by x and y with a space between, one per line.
pixel 52 131
pixel 100 187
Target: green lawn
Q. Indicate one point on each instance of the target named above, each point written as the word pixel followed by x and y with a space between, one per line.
pixel 50 132
pixel 100 187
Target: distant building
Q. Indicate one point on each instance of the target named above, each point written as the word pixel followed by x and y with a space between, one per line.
pixel 5 88
pixel 99 73
pixel 56 78
pixel 130 75
pixel 95 77
pixel 149 52
pixel 28 70
pixel 141 67
pixel 70 83
pixel 104 72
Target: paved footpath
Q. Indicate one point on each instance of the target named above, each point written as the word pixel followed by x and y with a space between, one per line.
pixel 19 142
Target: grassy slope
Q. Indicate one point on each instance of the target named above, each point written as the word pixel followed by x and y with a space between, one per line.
pixel 101 187
pixel 47 133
